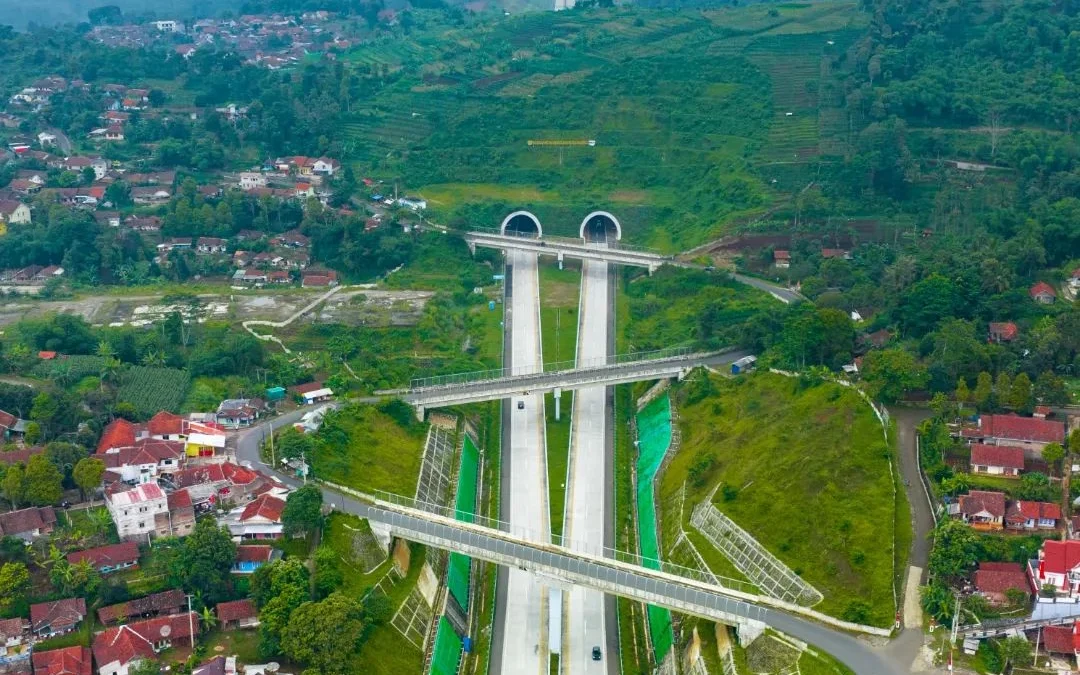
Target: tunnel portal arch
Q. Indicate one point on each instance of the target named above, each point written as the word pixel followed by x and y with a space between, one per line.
pixel 601 214
pixel 516 218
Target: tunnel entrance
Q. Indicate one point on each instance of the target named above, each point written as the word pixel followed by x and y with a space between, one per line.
pixel 600 226
pixel 522 224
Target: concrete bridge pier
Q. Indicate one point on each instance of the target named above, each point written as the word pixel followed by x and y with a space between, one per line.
pixel 472 247
pixel 653 268
pixel 420 412
pixel 560 259
pixel 749 630
pixel 558 402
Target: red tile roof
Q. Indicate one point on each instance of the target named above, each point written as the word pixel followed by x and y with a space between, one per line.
pixel 235 610
pixel 20 456
pixel 1022 428
pixel 181 499
pixel 1000 577
pixel 254 553
pixel 117 434
pixel 165 424
pixel 1039 510
pixel 112 555
pixel 306 388
pixel 46 355
pixel 1004 330
pixel 264 506
pixel 57 614
pixel 781 255
pixel 11 628
pixel 1042 288
pixel 1060 556
pixel 1060 639
pixel 26 520
pixel 7 420
pixel 1005 456
pixel 66 661
pixel 165 602
pixel 977 501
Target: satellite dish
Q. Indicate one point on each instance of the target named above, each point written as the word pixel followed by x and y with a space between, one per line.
pixel 166 631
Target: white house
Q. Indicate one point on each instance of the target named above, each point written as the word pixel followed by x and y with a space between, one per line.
pixel 260 519
pixel 143 461
pixel 412 203
pixel 249 180
pixel 13 212
pixel 325 166
pixel 134 511
pixel 1058 567
pixel 167 26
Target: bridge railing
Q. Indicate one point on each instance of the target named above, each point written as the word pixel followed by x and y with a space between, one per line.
pixel 589 547
pixel 438 381
pixel 573 241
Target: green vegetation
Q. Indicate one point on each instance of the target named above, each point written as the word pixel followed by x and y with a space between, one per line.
pixel 151 389
pixel 775 448
pixel 370 448
pixel 559 290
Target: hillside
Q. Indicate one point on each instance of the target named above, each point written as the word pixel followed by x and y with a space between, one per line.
pixel 802 467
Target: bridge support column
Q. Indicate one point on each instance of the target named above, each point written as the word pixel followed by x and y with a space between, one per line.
pixel 420 412
pixel 558 401
pixel 749 630
pixel 472 248
pixel 560 259
pixel 652 268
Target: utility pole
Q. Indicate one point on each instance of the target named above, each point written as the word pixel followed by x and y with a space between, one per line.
pixel 273 462
pixel 191 623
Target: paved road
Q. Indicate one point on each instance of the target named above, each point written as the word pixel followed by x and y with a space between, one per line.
pixel 781 293
pixel 524 628
pixel 587 479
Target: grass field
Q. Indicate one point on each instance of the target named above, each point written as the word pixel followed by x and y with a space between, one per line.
pixel 363 447
pixel 688 115
pixel 783 448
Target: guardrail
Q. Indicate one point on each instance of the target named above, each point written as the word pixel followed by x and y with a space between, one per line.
pixel 569 241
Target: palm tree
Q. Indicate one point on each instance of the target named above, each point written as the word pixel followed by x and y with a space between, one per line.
pixel 208 618
pixel 154 358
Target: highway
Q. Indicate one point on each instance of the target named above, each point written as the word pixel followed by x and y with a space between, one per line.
pixel 588 476
pixel 524 626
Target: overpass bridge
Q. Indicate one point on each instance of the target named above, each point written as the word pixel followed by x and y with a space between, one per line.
pixel 569 248
pixel 448 390
pixel 622 575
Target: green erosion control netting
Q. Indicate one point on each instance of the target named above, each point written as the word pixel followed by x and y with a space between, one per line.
pixel 654 437
pixel 457 575
pixel 447 654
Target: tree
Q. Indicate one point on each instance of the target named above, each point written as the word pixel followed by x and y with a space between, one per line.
pixel 64 456
pixel 14 485
pixel 888 373
pixel 938 601
pixel 205 559
pixel 1002 388
pixel 87 474
pixel 303 511
pixel 954 549
pixel 14 583
pixel 318 633
pixel 328 575
pixel 984 391
pixel 43 481
pixel 1053 453
pixel 45 410
pixel 1016 651
pixel 292 443
pixel 118 193
pixel 1035 486
pixel 1020 393
pixel 963 395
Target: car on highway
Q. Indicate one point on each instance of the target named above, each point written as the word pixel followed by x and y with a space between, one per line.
pixel 521 405
pixel 596 654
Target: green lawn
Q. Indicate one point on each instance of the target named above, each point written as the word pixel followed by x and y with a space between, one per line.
pixel 784 448
pixel 365 448
pixel 559 292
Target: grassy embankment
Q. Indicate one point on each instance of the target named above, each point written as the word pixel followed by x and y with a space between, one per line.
pixel 775 449
pixel 559 291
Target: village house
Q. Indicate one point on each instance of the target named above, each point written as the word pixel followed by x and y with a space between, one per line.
pixel 782 259
pixel 249 277
pixel 181 515
pixel 1043 293
pixel 168 602
pixel 318 279
pixel 19 456
pixel 981 509
pixel 311 392
pixel 1005 331
pixel 119 648
pixel 65 661
pixel 143 462
pixel 56 618
pixel 14 213
pixel 251 558
pixel 220 665
pixel 27 524
pixel 114 133
pixel 237 614
pixel 211 245
pixel 9 426
pixel 835 253
pixel 325 166
pixel 278 277
pixel 239 412
pixel 14 642
pixel 134 511
pixel 997 460
pixel 994 580
pixel 151 195
pixel 225 481
pixel 143 223
pixel 109 558
pixel 1031 516
pixel 1057 570
pixel 291 239
pixel 1028 433
pixel 1062 640
pixel 260 519
pixel 249 180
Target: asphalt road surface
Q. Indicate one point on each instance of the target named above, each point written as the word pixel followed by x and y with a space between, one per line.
pixel 587 479
pixel 524 627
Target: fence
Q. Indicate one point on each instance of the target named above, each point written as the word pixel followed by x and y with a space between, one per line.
pixel 437 466
pixel 765 570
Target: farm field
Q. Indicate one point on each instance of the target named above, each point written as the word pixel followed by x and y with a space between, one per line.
pixel 690 118
pixel 767 449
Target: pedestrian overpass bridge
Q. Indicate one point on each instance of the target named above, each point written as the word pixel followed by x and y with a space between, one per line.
pixel 569 248
pixel 448 390
pixel 624 575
